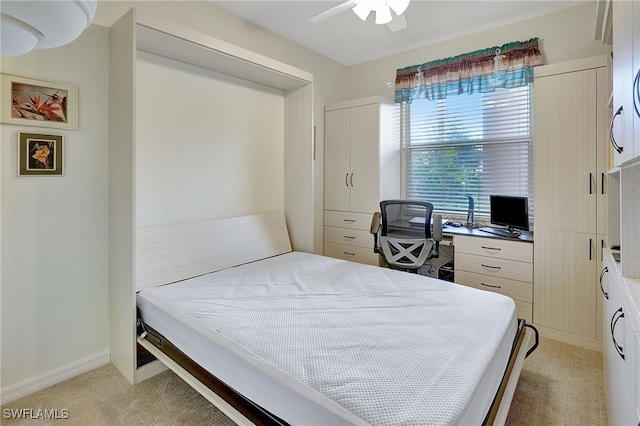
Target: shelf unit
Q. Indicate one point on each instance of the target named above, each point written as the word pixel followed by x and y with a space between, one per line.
pixel 620 278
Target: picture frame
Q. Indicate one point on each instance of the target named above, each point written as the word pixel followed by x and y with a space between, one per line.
pixel 40 154
pixel 39 103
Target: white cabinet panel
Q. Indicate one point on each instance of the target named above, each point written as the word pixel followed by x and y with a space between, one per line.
pixel 570 190
pixel 362 168
pixel 336 151
pixel 623 81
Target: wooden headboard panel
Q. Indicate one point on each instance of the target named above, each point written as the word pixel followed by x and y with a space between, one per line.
pixel 168 254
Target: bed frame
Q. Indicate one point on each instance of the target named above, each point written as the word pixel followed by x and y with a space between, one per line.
pixel 169 254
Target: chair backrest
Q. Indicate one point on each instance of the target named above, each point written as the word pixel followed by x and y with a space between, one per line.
pixel 406 218
pixel 405 235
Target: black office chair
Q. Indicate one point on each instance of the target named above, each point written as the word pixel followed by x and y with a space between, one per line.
pixel 402 233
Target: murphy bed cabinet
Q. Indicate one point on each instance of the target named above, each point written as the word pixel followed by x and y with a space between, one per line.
pixel 361 169
pixel 570 187
pixel 135 32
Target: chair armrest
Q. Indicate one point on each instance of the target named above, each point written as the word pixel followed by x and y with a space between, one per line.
pixel 375 223
pixel 436 232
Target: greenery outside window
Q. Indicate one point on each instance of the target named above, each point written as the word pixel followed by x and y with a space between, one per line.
pixel 475 144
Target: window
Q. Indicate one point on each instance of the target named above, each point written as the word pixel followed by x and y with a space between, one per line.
pixel 477 144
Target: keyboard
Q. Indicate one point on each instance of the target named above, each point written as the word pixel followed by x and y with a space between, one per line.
pixel 501 232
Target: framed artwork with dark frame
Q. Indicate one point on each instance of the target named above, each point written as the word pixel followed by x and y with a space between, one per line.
pixel 39 103
pixel 40 154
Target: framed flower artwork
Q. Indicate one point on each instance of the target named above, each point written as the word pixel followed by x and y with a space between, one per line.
pixel 29 102
pixel 40 154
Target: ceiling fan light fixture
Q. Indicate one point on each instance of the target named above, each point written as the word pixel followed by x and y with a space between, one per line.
pixel 398 6
pixel 362 9
pixel 383 16
pixel 27 25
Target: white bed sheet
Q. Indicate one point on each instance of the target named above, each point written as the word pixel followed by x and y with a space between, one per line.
pixel 322 341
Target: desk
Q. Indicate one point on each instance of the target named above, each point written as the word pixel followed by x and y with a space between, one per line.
pixel 451 231
pixel 494 263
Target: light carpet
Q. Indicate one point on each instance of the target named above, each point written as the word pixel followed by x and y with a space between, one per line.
pixel 560 385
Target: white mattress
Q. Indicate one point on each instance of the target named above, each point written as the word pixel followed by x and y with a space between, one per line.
pixel 317 340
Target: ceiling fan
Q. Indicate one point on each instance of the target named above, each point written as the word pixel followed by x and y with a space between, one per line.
pixel 363 8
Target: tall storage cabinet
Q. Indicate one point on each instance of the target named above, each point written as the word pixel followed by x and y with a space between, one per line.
pixel 362 167
pixel 570 181
pixel 625 147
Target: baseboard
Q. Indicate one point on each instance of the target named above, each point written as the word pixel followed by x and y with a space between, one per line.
pixel 13 392
pixel 572 339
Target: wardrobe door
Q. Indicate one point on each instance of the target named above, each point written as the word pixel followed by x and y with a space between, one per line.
pixel 565 175
pixel 365 168
pixel 337 153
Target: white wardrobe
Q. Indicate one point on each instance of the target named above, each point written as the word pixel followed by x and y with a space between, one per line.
pixel 570 187
pixel 362 160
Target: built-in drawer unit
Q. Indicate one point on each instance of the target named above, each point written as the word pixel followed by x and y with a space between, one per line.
pixel 494 267
pixel 347 236
pixel 495 247
pixel 352 253
pixel 348 220
pixel 497 265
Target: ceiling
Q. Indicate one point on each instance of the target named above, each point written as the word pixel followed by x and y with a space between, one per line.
pixel 348 40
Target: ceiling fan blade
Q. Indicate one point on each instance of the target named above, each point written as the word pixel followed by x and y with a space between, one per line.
pixel 333 11
pixel 398 23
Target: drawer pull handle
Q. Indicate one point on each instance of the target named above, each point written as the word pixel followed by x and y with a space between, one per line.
pixel 349 254
pixel 614 322
pixel 604 271
pixel 611 138
pixel 491 286
pixel 491 248
pixel 348 237
pixel 495 268
pixel 350 220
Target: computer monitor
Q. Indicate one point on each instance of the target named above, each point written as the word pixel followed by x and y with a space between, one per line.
pixel 512 212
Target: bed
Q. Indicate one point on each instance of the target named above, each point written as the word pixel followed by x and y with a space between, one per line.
pixel 287 337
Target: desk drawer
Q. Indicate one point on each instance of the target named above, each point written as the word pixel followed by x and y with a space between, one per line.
pixel 348 220
pixel 352 253
pixel 354 237
pixel 518 290
pixel 495 267
pixel 494 247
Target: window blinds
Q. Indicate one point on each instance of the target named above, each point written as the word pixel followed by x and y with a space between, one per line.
pixel 478 144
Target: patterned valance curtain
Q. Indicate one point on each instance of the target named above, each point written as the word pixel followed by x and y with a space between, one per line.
pixel 505 66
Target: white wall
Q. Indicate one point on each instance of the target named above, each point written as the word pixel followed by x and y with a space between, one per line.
pixel 55 229
pixel 564 36
pixel 210 143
